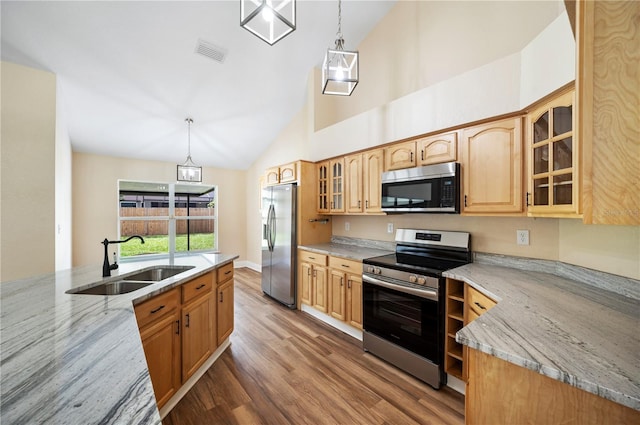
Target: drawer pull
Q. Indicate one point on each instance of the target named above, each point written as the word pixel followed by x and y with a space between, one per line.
pixel 200 287
pixel 312 258
pixel 227 272
pixel 480 305
pixel 157 309
pixel 345 265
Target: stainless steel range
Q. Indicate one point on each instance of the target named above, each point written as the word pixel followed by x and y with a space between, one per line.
pixel 403 300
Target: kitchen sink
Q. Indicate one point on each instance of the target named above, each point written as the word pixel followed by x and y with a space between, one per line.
pixel 156 274
pixel 132 282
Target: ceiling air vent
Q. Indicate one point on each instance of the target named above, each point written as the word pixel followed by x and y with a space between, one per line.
pixel 211 51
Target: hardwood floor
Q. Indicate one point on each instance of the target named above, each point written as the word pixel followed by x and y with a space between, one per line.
pixel 285 367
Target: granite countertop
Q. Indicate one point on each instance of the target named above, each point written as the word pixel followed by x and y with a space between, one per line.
pixel 579 334
pixel 352 252
pixel 78 358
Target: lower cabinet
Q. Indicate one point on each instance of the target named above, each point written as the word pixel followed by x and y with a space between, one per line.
pixel 224 301
pixel 161 343
pixel 181 328
pixel 332 285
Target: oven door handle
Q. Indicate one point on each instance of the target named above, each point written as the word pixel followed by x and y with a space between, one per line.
pixel 422 293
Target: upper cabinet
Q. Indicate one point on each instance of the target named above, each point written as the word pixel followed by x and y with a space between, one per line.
pixel 353 165
pixel 437 149
pixel 282 174
pixel 330 186
pixel 553 178
pixel 491 158
pixel 400 155
pixel 363 177
pixel 607 87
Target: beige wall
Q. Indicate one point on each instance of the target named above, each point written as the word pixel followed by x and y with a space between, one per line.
pixel 27 172
pixel 421 43
pixel 95 202
pixel 63 188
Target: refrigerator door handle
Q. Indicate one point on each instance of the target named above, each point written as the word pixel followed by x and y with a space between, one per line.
pixel 272 227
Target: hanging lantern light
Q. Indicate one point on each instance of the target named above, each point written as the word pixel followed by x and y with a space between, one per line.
pixel 189 172
pixel 340 67
pixel 271 20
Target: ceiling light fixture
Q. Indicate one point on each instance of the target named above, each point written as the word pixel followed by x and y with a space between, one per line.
pixel 189 172
pixel 340 67
pixel 270 20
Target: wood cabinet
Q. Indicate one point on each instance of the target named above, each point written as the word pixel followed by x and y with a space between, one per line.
pixel 499 392
pixel 159 322
pixel 197 345
pixel 331 183
pixel 438 148
pixel 313 280
pixel 282 174
pixel 400 155
pixel 178 329
pixel 225 299
pixel 607 88
pixel 363 187
pixel 464 304
pixel 553 175
pixel 346 290
pixel 491 158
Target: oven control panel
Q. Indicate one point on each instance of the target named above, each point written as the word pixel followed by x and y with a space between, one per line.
pixel 401 276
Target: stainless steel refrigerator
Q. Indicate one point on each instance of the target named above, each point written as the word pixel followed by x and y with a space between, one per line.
pixel 279 243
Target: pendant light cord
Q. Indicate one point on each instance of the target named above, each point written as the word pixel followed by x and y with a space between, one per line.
pixel 189 121
pixel 339 39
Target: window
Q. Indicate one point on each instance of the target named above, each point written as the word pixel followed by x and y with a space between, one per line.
pixel 171 217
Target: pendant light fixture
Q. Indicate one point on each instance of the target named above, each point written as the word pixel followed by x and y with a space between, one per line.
pixel 340 67
pixel 189 172
pixel 270 20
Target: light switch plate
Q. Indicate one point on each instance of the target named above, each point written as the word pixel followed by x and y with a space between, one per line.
pixel 522 237
pixel 389 227
pixel 347 226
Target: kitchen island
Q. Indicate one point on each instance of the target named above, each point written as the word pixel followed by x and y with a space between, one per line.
pixel 79 358
pixel 580 335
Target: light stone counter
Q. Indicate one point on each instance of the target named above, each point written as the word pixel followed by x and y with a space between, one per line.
pixel 352 252
pixel 579 334
pixel 78 359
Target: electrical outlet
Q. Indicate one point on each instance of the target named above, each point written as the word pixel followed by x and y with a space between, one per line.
pixel 389 227
pixel 522 237
pixel 347 226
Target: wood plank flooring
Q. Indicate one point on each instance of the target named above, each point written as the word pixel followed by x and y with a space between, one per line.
pixel 285 367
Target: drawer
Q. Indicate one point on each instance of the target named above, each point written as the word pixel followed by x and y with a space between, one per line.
pixel 478 302
pixel 157 307
pixel 198 286
pixel 349 266
pixel 312 257
pixel 225 273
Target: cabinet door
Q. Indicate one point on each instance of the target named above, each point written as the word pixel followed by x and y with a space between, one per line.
pixel 288 173
pixel 161 343
pixel 552 171
pixel 272 176
pixel 401 155
pixel 354 300
pixel 196 342
pixel 337 291
pixel 373 165
pixel 437 149
pixel 323 187
pixel 336 170
pixel 320 297
pixel 225 310
pixel 492 167
pixel 353 187
pixel 304 275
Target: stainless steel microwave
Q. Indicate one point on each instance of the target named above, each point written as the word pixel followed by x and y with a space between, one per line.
pixel 428 189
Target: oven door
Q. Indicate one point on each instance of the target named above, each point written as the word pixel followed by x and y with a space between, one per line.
pixel 403 317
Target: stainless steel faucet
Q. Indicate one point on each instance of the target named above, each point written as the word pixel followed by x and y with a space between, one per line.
pixel 106 267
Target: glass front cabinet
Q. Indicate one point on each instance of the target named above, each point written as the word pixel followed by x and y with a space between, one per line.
pixel 553 177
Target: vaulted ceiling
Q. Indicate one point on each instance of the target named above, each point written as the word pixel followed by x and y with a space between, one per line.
pixel 128 74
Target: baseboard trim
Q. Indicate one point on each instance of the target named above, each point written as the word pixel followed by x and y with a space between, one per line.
pixel 184 389
pixel 456 384
pixel 338 324
pixel 248 264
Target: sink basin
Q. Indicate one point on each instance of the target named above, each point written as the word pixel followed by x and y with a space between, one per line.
pixel 133 281
pixel 157 274
pixel 111 288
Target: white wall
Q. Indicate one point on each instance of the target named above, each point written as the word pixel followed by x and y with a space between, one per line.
pixel 27 172
pixel 95 202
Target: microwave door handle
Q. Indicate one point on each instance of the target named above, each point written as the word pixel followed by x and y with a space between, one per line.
pixel 422 293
